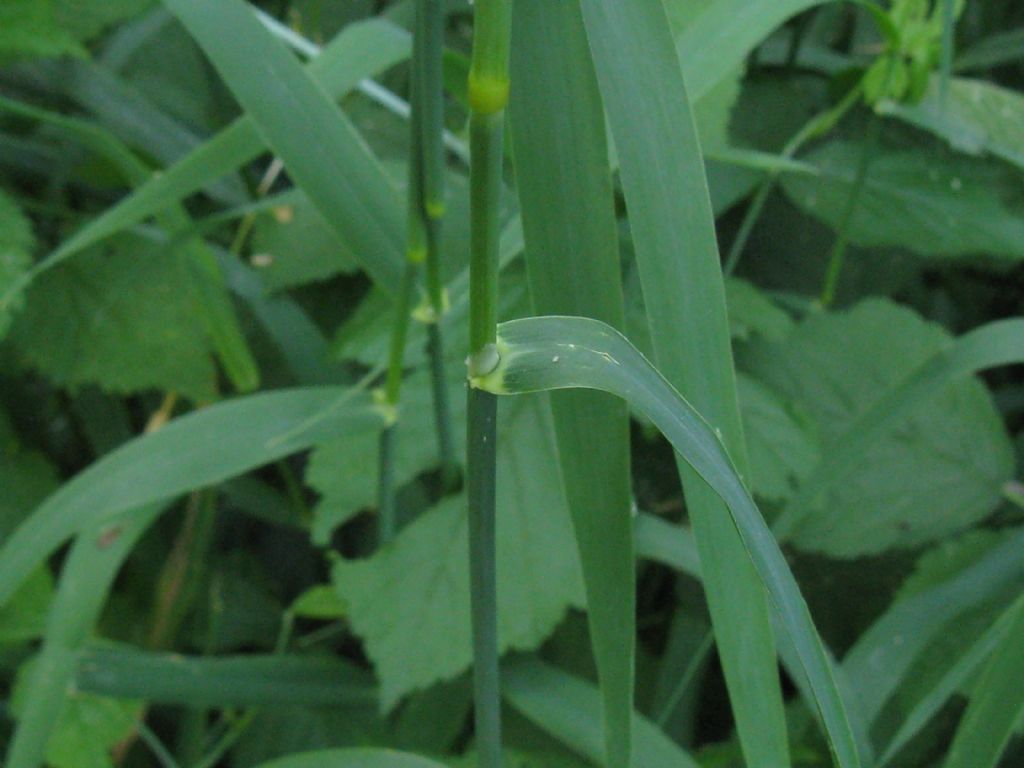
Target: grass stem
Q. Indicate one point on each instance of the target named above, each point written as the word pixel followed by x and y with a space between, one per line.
pixel 430 80
pixel 838 254
pixel 488 95
pixel 817 126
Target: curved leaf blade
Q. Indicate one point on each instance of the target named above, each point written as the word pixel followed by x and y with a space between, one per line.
pixel 197 450
pixel 322 150
pixel 673 230
pixel 540 354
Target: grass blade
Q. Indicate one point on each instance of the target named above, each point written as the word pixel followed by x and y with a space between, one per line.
pixel 886 652
pixel 997 703
pixel 359 51
pixel 570 710
pixel 224 681
pixel 594 356
pixel 957 675
pixel 674 235
pixel 323 152
pixel 197 450
pixel 85 581
pixel 568 213
pixel 992 345
pixel 353 758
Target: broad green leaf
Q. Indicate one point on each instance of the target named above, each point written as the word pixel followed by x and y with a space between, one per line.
pixel 884 655
pixel 568 211
pixel 223 681
pixel 192 452
pixel 932 206
pixel 570 710
pixel 211 303
pixel 976 117
pixel 547 353
pixel 324 154
pixel 294 245
pixel 29 28
pixel 121 317
pixel 16 244
pixel 353 758
pixel 929 473
pixel 410 602
pixel 997 703
pixel 69 728
pixel 782 444
pixel 662 172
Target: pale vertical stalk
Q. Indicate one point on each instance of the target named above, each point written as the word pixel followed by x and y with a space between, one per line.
pixel 488 95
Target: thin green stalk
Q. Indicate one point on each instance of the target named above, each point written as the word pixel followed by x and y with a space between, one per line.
pixel 430 81
pixel 687 679
pixel 389 400
pixel 837 257
pixel 416 248
pixel 488 95
pixel 817 126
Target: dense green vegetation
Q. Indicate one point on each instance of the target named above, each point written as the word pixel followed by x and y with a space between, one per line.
pixel 734 286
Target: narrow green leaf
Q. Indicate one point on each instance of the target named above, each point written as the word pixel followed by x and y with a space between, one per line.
pixel 547 353
pixel 884 655
pixel 16 244
pixel 323 152
pixel 86 578
pixel 223 681
pixel 673 231
pixel 720 38
pixel 571 711
pixel 997 703
pixel 568 212
pixel 353 758
pixel 197 450
pixel 957 675
pixel 996 50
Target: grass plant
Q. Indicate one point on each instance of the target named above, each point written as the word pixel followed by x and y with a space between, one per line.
pixel 723 515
